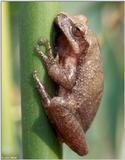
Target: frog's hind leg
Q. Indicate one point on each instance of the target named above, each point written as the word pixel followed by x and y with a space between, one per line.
pixel 44 95
pixel 67 125
pixel 62 118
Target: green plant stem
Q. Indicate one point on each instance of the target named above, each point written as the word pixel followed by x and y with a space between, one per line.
pixel 39 140
pixel 8 144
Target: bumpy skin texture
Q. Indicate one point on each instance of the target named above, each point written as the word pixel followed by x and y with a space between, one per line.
pixel 77 69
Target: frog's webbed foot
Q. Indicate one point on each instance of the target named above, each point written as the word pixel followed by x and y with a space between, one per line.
pixel 45 42
pixel 48 59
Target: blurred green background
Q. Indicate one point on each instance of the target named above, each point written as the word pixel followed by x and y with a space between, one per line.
pixel 105 136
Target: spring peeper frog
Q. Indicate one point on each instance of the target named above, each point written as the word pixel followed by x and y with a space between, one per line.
pixel 77 69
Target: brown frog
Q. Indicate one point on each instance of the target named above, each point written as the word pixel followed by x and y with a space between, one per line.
pixel 77 69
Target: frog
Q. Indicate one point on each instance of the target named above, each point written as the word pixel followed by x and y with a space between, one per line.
pixel 77 70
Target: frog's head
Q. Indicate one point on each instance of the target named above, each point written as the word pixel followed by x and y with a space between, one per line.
pixel 74 28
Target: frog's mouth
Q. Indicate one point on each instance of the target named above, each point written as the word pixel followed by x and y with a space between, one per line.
pixel 63 27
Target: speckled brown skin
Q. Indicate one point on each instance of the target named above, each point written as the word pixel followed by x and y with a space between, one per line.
pixel 77 70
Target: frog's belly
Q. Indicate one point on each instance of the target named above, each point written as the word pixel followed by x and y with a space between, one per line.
pixel 88 92
pixel 88 109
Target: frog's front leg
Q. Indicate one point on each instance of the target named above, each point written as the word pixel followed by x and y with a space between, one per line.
pixel 61 76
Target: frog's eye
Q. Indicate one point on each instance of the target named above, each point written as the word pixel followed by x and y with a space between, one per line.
pixel 76 32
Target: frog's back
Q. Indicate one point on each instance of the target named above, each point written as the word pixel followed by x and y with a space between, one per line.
pixel 89 83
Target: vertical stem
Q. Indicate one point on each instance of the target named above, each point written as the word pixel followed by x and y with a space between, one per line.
pixel 39 140
pixel 7 120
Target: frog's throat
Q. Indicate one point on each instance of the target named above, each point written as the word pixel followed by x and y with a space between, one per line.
pixel 64 25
